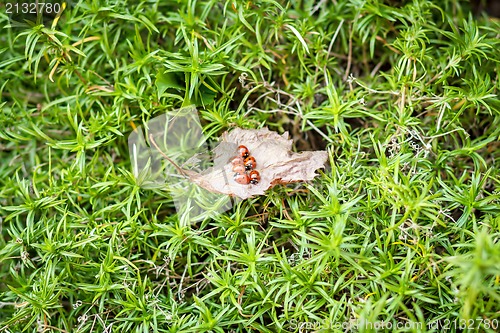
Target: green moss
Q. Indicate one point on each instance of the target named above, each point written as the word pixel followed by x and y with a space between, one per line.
pixel 403 227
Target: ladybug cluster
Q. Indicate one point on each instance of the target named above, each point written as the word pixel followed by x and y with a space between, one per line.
pixel 244 167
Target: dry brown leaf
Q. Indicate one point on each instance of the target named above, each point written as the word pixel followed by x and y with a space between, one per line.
pixel 276 163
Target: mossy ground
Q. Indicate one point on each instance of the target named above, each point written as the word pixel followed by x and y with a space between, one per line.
pixel 403 227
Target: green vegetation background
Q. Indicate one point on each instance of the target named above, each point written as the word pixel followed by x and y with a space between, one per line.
pixel 402 227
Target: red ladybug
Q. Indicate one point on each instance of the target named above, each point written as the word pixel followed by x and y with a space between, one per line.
pixel 237 160
pixel 241 178
pixel 250 163
pixel 254 177
pixel 243 151
pixel 239 168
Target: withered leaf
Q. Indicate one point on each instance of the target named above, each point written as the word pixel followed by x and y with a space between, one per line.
pixel 276 163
